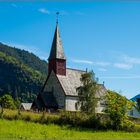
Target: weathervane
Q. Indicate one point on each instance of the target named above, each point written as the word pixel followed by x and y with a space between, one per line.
pixel 57 13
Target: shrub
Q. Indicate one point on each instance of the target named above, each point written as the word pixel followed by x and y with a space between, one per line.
pixel 7 101
pixel 73 118
pixel 130 126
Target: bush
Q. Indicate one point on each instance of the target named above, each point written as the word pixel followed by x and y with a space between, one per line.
pixel 73 118
pixel 7 101
pixel 78 119
pixel 10 114
pixel 130 126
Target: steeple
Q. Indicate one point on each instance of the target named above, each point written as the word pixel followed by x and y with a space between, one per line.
pixel 57 59
pixel 57 51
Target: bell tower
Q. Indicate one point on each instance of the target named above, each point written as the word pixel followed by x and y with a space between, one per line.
pixel 57 59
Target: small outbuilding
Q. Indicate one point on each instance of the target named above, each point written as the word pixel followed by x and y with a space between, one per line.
pixel 25 106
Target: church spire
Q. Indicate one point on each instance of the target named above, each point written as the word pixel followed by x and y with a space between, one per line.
pixel 57 51
pixel 57 59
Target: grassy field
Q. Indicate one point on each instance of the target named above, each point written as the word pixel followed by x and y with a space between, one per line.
pixel 29 130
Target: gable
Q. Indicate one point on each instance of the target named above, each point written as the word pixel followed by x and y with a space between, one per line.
pixel 53 86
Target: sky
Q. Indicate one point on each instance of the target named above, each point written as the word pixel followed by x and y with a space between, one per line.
pixel 100 36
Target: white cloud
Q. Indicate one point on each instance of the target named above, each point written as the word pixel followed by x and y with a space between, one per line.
pixel 131 60
pixel 44 10
pixel 121 77
pixel 102 64
pixel 14 5
pixel 82 61
pixel 123 66
pixel 97 63
pixel 127 62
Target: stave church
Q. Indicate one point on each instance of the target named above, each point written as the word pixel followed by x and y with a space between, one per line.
pixel 59 90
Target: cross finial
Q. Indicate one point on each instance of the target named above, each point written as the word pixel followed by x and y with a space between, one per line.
pixel 57 13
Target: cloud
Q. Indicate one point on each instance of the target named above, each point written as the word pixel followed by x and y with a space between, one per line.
pixel 44 10
pixel 123 66
pixel 102 64
pixel 14 5
pixel 127 62
pixel 131 60
pixel 82 61
pixel 97 63
pixel 121 77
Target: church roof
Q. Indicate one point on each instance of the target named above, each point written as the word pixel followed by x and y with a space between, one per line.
pixel 101 91
pixel 57 51
pixel 72 81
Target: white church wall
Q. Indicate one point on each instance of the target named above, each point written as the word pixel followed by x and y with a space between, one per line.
pixel 100 106
pixel 70 103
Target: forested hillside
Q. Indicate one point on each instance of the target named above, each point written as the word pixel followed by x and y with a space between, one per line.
pixel 22 74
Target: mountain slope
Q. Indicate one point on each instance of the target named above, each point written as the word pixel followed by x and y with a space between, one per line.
pixel 22 74
pixel 25 57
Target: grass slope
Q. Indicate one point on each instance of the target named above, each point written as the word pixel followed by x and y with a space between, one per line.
pixel 28 130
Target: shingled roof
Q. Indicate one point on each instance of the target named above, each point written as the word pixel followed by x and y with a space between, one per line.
pixel 101 91
pixel 72 81
pixel 57 51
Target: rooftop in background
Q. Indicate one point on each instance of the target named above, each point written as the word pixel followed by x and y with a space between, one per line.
pixel 25 106
pixel 134 99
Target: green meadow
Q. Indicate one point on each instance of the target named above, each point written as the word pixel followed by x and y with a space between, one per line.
pixel 17 129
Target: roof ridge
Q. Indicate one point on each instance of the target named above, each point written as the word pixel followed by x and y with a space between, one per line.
pixel 75 69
